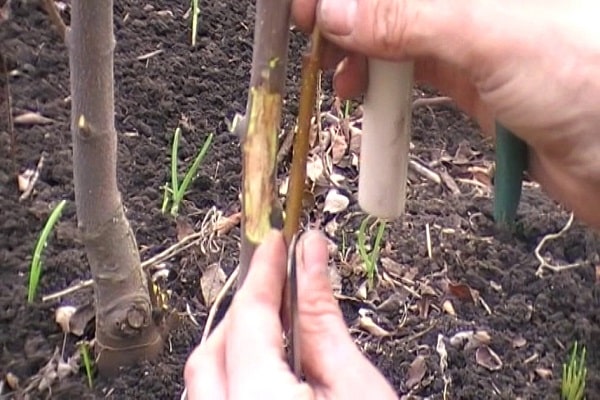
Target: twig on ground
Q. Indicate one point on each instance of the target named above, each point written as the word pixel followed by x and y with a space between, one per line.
pixel 424 171
pixel 545 264
pixel 432 101
pixel 55 18
pixel 185 243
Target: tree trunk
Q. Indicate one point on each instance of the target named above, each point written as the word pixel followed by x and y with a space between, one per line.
pixel 125 329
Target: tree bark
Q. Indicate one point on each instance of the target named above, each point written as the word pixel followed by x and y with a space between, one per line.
pixel 125 329
pixel 261 209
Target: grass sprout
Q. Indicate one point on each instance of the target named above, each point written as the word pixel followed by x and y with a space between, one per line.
pixel 371 258
pixel 84 350
pixel 35 270
pixel 574 374
pixel 175 193
pixel 195 13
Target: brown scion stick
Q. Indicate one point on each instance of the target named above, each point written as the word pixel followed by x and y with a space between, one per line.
pixel 308 89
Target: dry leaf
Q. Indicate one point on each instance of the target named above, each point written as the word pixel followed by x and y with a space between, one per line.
pixel 518 342
pixel 362 291
pixel 488 359
pixel 24 179
pixel 597 274
pixel 31 118
pixel 83 316
pixel 544 373
pixel 416 372
pixel 283 188
pixel 449 308
pixel 211 282
pixel 482 175
pixel 12 380
pixel 184 229
pixel 226 224
pixel 366 322
pixel 470 339
pixel 463 292
pixel 335 279
pixel 63 315
pixel 335 202
pixel 440 348
pixel 464 153
pixel 338 147
pixel 314 168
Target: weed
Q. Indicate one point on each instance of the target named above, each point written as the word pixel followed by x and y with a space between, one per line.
pixel 35 271
pixel 87 362
pixel 177 189
pixel 574 374
pixel 370 259
pixel 195 13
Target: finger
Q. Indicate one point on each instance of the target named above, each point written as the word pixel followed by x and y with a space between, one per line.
pixel 204 372
pixel 349 80
pixel 303 14
pixel 254 341
pixel 326 346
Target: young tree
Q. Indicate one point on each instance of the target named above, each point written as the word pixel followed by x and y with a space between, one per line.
pixel 259 129
pixel 125 328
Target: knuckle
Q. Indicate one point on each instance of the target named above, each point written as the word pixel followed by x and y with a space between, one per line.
pixel 389 24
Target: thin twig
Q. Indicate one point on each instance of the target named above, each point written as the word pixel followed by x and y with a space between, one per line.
pixel 55 18
pixel 545 264
pixel 310 76
pixel 185 243
pixel 9 116
pixel 432 101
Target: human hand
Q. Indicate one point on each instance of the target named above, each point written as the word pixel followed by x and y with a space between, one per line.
pixel 534 66
pixel 244 358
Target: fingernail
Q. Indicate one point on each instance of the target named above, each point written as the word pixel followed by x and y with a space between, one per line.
pixel 314 259
pixel 337 17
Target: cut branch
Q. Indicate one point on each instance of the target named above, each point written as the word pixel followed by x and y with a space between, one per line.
pixel 262 123
pixel 308 90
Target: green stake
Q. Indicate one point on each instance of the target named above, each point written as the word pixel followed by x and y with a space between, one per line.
pixel 511 162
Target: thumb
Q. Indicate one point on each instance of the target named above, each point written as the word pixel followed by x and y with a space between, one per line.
pixel 393 29
pixel 330 359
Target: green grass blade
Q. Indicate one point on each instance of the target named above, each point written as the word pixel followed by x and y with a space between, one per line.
pixel 87 363
pixel 194 21
pixel 35 269
pixel 511 162
pixel 377 245
pixel 191 173
pixel 174 162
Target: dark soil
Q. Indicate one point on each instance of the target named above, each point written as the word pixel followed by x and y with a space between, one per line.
pixel 205 86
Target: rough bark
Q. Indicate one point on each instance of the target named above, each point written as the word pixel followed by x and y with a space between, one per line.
pixel 125 329
pixel 261 209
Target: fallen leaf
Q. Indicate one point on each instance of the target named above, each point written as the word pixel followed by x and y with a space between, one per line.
pixel 544 373
pixel 338 147
pixel 366 322
pixel 211 282
pixel 518 342
pixel 184 229
pixel 83 316
pixel 416 372
pixel 440 348
pixel 467 340
pixel 31 118
pixel 463 292
pixel 12 380
pixel 335 202
pixel 488 359
pixel 226 224
pixel 464 153
pixel 63 315
pixel 597 274
pixel 448 308
pixel 481 175
pixel 314 168
pixel 335 279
